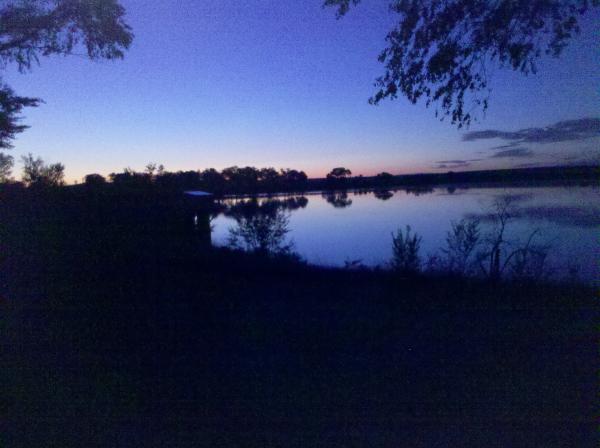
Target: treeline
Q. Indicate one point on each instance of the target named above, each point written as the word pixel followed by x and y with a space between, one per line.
pixel 238 180
pixel 232 180
pixel 560 174
pixel 250 180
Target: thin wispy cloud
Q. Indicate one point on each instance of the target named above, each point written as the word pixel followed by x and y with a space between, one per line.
pixel 563 131
pixel 452 164
pixel 515 152
pixel 528 165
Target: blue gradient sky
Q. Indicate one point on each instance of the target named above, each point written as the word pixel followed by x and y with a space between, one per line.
pixel 283 84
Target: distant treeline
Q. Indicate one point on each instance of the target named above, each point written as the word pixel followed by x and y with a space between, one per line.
pixel 232 180
pixel 250 180
pixel 558 174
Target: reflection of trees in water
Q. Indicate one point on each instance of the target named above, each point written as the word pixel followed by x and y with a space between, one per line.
pixel 563 215
pixel 252 206
pixel 262 232
pixel 383 195
pixel 469 250
pixel 339 199
pixel 419 190
pixel 263 223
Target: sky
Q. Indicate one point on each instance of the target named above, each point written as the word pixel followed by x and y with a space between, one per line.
pixel 283 83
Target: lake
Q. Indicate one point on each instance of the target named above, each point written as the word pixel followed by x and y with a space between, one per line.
pixel 338 228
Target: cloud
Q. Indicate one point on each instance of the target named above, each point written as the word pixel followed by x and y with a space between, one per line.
pixel 454 162
pixel 563 131
pixel 451 164
pixel 515 152
pixel 529 165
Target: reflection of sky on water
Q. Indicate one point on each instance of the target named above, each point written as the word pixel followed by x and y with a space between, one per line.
pixel 567 217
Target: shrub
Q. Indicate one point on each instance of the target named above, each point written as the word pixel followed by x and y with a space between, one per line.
pixel 406 248
pixel 461 242
pixel 94 179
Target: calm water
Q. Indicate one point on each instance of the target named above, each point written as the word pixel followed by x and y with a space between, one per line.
pixel 333 230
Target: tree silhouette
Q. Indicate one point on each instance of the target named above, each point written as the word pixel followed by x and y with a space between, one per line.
pixel 37 173
pixel 339 173
pixel 293 178
pixel 384 178
pixel 6 164
pixel 406 247
pixel 34 28
pixel 441 50
pixel 261 229
pixel 94 180
pixel 10 109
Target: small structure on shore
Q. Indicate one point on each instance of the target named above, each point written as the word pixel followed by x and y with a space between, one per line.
pixel 198 205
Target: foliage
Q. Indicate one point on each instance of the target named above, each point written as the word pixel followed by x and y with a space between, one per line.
pixel 230 180
pixel 529 262
pixel 490 257
pixel 35 28
pixel 339 173
pixel 384 178
pixel 212 180
pixel 6 164
pixel 131 177
pixel 406 247
pixel 37 173
pixel 11 106
pixel 251 180
pixel 293 177
pixel 441 50
pixel 262 232
pixel 498 255
pixel 152 169
pixel 461 242
pixel 94 179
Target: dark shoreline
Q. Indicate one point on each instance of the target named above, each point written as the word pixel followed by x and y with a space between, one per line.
pixel 192 180
pixel 567 183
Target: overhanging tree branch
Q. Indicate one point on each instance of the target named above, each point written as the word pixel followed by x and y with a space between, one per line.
pixel 439 49
pixel 35 28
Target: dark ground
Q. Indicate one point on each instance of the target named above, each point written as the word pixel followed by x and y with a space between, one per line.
pixel 119 329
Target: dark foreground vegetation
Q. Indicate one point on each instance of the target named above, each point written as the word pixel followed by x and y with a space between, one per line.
pixel 121 326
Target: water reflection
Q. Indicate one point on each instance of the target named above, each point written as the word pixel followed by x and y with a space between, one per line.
pixel 262 232
pixel 262 223
pixel 419 190
pixel 561 215
pixel 383 195
pixel 339 199
pixel 361 225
